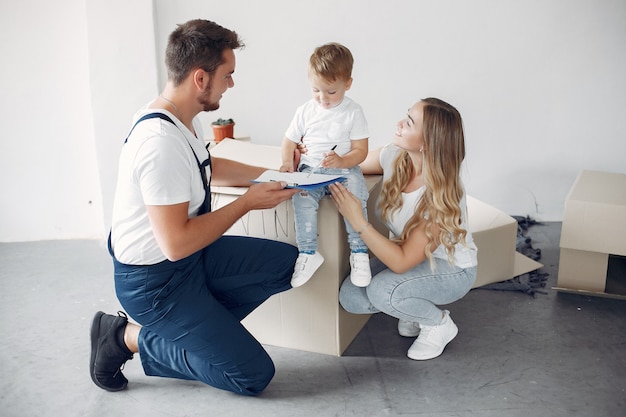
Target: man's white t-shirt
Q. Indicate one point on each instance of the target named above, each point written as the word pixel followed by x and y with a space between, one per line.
pixel 465 256
pixel 324 128
pixel 157 167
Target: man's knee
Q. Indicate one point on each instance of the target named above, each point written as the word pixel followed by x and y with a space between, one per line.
pixel 256 378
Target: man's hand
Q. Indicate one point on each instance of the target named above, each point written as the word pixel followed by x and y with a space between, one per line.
pixel 267 195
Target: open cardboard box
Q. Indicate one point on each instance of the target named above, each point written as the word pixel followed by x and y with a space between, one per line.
pixel 495 236
pixel 593 235
pixel 309 317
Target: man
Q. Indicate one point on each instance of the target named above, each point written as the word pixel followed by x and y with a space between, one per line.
pixel 175 274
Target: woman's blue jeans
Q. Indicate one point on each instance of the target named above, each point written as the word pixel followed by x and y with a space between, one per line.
pixel 306 204
pixel 412 296
pixel 191 310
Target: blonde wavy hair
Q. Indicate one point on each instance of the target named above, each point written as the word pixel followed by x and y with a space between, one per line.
pixel 443 153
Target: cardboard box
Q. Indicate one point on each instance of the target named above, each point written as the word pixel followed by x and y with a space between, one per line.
pixel 495 236
pixel 593 233
pixel 309 317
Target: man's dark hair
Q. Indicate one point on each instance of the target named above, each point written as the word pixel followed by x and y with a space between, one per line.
pixel 197 44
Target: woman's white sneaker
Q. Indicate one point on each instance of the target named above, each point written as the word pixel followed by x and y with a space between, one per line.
pixel 432 340
pixel 306 265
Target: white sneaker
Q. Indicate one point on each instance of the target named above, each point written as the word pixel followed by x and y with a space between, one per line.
pixel 433 339
pixel 360 272
pixel 408 328
pixel 306 265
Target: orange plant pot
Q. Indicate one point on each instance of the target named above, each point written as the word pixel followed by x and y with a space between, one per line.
pixel 223 131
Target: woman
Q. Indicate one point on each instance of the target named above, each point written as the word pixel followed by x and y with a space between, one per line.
pixel 431 258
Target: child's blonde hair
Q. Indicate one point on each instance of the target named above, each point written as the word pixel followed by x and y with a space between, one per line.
pixel 332 61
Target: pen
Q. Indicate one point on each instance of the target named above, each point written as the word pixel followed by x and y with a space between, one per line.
pixel 319 164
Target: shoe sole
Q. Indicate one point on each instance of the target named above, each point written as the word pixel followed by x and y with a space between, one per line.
pixel 363 283
pixel 95 331
pixel 437 353
pixel 408 334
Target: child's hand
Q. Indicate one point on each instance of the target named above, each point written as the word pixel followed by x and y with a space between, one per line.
pixel 332 160
pixel 302 148
pixel 288 167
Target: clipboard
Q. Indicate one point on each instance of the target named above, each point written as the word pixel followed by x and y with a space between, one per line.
pixel 300 180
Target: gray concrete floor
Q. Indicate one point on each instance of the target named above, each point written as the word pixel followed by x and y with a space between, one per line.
pixel 553 354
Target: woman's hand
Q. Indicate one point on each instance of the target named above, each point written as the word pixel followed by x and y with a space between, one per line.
pixel 398 257
pixel 348 205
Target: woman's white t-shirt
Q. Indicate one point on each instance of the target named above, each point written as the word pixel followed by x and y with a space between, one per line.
pixel 157 167
pixel 465 256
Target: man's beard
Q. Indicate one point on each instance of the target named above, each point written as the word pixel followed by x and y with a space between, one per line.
pixel 204 100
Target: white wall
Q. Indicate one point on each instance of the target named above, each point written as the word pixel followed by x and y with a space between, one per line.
pixel 48 173
pixel 123 69
pixel 539 83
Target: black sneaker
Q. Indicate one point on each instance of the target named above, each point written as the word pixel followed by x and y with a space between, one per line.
pixel 107 355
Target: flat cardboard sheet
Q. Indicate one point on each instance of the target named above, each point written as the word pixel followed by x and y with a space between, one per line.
pixel 265 156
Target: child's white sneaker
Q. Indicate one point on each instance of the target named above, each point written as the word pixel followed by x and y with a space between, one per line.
pixel 433 339
pixel 360 272
pixel 408 328
pixel 306 265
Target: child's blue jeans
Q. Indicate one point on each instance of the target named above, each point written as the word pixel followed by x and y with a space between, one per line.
pixel 306 204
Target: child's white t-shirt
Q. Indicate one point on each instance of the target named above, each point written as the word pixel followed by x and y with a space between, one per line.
pixel 320 129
